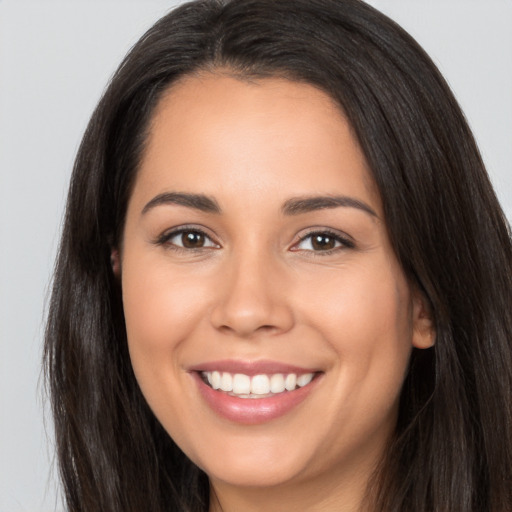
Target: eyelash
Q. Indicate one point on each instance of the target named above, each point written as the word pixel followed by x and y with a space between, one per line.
pixel 344 242
pixel 165 239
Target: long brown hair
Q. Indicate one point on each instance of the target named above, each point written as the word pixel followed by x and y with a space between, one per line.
pixel 452 450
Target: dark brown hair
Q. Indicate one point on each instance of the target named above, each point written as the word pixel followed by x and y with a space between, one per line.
pixel 452 450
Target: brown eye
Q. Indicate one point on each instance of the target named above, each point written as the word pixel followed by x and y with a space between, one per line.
pixel 187 239
pixel 322 242
pixel 192 239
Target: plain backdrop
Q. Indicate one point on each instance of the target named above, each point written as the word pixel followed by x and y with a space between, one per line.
pixel 55 59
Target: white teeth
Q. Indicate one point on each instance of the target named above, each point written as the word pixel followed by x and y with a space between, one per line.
pixel 241 384
pixel 277 383
pixel 245 386
pixel 290 382
pixel 260 385
pixel 226 382
pixel 215 380
pixel 304 380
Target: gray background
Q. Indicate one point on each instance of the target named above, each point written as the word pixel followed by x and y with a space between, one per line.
pixel 55 59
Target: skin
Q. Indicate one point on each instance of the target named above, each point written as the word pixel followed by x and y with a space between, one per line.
pixel 258 289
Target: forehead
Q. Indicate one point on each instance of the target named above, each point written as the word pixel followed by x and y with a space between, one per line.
pixel 220 134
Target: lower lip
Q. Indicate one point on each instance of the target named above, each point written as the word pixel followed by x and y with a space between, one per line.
pixel 251 411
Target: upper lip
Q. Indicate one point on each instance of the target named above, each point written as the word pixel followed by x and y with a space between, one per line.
pixel 250 368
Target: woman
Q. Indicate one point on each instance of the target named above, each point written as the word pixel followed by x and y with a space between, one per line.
pixel 284 277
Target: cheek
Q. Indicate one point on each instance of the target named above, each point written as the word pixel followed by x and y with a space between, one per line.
pixel 368 303
pixel 365 316
pixel 161 309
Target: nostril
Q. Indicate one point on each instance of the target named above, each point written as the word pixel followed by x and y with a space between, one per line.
pixel 249 307
pixel 248 332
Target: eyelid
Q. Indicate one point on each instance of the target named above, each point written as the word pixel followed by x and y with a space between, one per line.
pixel 345 240
pixel 168 234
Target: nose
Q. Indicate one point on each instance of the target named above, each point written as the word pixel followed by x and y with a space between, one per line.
pixel 252 298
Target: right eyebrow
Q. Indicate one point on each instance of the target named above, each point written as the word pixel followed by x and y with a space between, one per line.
pixel 197 201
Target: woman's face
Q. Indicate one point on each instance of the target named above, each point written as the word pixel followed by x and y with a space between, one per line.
pixel 255 255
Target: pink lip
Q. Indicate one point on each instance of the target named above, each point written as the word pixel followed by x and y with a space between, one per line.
pixel 252 411
pixel 250 368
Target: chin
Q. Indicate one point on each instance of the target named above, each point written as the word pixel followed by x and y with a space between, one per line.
pixel 252 476
pixel 256 464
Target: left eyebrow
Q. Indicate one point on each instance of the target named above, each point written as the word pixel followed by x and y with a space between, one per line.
pixel 299 205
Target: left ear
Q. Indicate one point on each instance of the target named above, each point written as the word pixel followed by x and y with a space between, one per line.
pixel 424 330
pixel 115 262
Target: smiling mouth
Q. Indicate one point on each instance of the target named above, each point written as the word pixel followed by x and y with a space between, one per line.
pixel 257 386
